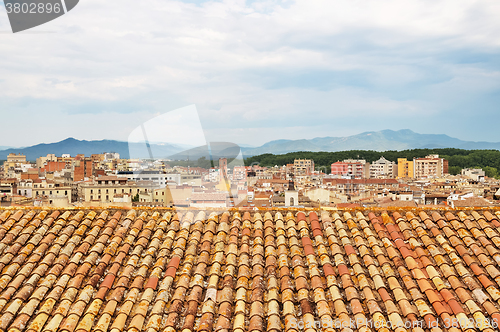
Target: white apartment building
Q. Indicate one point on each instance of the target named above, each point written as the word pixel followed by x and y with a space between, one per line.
pixel 383 168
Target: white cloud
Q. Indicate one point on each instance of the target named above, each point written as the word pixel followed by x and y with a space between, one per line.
pixel 235 60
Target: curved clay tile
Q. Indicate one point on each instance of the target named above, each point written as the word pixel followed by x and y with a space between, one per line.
pixel 152 270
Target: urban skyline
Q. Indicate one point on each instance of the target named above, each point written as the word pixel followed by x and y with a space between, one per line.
pixel 374 204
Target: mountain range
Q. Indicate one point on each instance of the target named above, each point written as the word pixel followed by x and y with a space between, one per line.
pixel 378 141
pixel 74 146
pixel 375 140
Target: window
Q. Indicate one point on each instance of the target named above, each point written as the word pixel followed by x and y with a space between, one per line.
pixel 91 191
pixel 66 192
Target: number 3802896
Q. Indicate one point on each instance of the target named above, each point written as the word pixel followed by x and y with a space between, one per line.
pixel 33 8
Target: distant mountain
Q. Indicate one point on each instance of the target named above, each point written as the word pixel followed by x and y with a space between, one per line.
pixel 73 147
pixel 378 141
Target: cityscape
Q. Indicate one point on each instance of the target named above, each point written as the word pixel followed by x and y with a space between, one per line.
pixel 249 166
pixel 105 180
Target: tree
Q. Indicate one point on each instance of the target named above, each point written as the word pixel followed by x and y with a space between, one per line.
pixel 491 172
pixel 457 158
pixel 135 198
pixel 455 170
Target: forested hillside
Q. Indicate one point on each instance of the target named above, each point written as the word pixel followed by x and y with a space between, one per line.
pixel 488 160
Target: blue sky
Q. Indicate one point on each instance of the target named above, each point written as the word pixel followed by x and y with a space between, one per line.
pixel 256 70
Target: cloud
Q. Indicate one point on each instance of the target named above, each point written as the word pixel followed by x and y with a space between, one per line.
pixel 275 65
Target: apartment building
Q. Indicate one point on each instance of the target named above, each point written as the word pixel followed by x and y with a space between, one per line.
pixel 51 189
pixel 430 166
pixel 351 168
pixel 303 167
pixel 104 189
pixel 82 168
pixel 15 165
pixel 405 168
pixel 383 168
pixel 240 172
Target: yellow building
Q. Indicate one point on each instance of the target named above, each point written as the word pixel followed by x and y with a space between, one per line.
pixel 405 168
pixel 105 188
pixel 303 166
pixel 172 194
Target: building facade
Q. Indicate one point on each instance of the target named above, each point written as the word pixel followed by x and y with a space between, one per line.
pixel 303 167
pixel 351 168
pixel 475 174
pixel 430 166
pixel 383 168
pixel 405 168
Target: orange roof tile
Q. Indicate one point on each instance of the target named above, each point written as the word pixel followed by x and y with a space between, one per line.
pixel 157 270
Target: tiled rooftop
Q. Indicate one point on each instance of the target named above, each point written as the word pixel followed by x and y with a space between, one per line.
pixel 156 270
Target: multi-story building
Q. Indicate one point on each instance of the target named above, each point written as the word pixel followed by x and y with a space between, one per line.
pixel 173 195
pixel 105 188
pixel 240 172
pixel 405 168
pixel 475 174
pixel 160 178
pixel 430 166
pixel 6 189
pixel 358 186
pixel 383 168
pixel 303 167
pixel 14 165
pixel 53 166
pixel 25 188
pixel 82 168
pixel 351 168
pixel 52 190
pixel 40 161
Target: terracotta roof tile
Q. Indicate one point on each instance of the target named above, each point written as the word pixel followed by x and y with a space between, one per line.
pixel 160 271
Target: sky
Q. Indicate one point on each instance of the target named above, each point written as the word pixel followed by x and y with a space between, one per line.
pixel 255 71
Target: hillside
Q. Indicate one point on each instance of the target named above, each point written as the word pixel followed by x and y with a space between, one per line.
pixel 377 141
